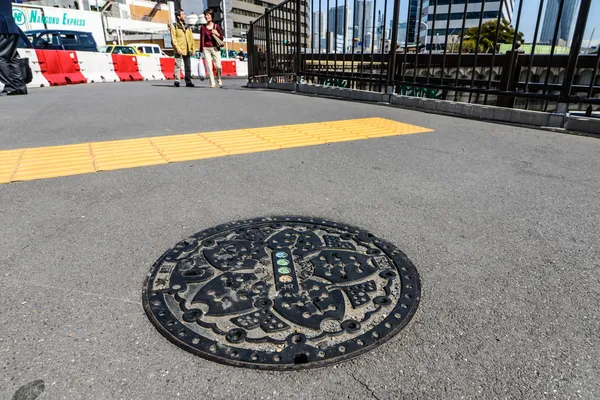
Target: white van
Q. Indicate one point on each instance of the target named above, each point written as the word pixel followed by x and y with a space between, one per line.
pixel 152 50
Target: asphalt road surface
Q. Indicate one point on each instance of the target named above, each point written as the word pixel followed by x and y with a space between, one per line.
pixel 502 222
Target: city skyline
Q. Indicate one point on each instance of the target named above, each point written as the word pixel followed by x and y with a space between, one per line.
pixel 330 22
pixel 527 23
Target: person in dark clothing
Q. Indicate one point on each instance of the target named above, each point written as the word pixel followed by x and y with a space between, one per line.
pixel 10 71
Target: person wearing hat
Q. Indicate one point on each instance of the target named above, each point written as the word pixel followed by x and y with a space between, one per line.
pixel 10 70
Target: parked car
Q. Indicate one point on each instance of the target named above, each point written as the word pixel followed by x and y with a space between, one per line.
pixel 231 54
pixel 153 50
pixel 62 40
pixel 121 49
pixel 24 42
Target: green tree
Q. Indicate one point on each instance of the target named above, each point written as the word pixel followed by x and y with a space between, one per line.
pixel 506 34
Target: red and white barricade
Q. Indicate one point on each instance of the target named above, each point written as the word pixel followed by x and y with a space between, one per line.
pixel 59 67
pixel 38 77
pixel 241 68
pixel 97 67
pixel 150 68
pixel 126 67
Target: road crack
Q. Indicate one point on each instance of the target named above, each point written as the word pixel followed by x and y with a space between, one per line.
pixel 366 386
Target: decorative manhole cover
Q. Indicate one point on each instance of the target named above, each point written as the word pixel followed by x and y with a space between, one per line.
pixel 281 293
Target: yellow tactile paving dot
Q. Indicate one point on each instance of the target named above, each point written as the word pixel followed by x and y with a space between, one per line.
pixel 55 161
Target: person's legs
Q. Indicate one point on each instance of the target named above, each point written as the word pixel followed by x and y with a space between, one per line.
pixel 18 76
pixel 217 58
pixel 188 71
pixel 209 65
pixel 10 68
pixel 5 58
pixel 178 67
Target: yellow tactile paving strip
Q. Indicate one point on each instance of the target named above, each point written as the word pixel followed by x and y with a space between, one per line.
pixel 50 162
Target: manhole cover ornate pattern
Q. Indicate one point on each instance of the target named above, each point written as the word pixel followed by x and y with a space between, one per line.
pixel 281 293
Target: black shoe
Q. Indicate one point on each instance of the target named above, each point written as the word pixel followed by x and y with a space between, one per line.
pixel 176 83
pixel 190 84
pixel 22 90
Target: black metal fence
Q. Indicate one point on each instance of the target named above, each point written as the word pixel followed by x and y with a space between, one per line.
pixel 463 50
pixel 276 41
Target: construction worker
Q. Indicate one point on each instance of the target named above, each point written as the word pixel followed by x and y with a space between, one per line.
pixel 183 46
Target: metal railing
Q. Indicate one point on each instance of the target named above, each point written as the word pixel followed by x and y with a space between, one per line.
pixel 461 50
pixel 276 41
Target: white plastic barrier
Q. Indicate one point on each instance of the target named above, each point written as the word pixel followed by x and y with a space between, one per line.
pixel 38 77
pixel 241 68
pixel 150 68
pixel 97 67
pixel 194 65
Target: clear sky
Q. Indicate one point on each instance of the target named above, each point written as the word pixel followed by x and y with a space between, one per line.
pixel 193 6
pixel 530 10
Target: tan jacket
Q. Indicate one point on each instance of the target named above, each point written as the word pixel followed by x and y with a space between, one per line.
pixel 182 39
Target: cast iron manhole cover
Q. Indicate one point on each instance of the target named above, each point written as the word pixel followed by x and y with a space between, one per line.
pixel 281 293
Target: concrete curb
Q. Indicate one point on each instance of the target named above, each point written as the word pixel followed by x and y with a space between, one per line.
pixel 478 111
pixel 582 124
pixel 475 111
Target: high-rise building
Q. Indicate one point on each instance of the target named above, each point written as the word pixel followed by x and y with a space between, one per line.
pixel 416 25
pixel 319 34
pixel 244 12
pixel 550 19
pixel 413 19
pixel 339 21
pixel 440 28
pixel 336 20
pixel 363 19
pixel 379 31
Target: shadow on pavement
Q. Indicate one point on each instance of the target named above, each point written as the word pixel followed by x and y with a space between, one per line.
pixel 181 87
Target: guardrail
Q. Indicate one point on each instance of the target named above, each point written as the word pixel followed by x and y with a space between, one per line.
pixel 365 44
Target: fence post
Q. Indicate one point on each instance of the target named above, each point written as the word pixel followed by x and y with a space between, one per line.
pixel 392 57
pixel 268 42
pixel 298 41
pixel 509 78
pixel 565 94
pixel 251 56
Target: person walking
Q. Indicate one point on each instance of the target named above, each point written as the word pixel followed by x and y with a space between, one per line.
pixel 211 41
pixel 10 69
pixel 183 46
